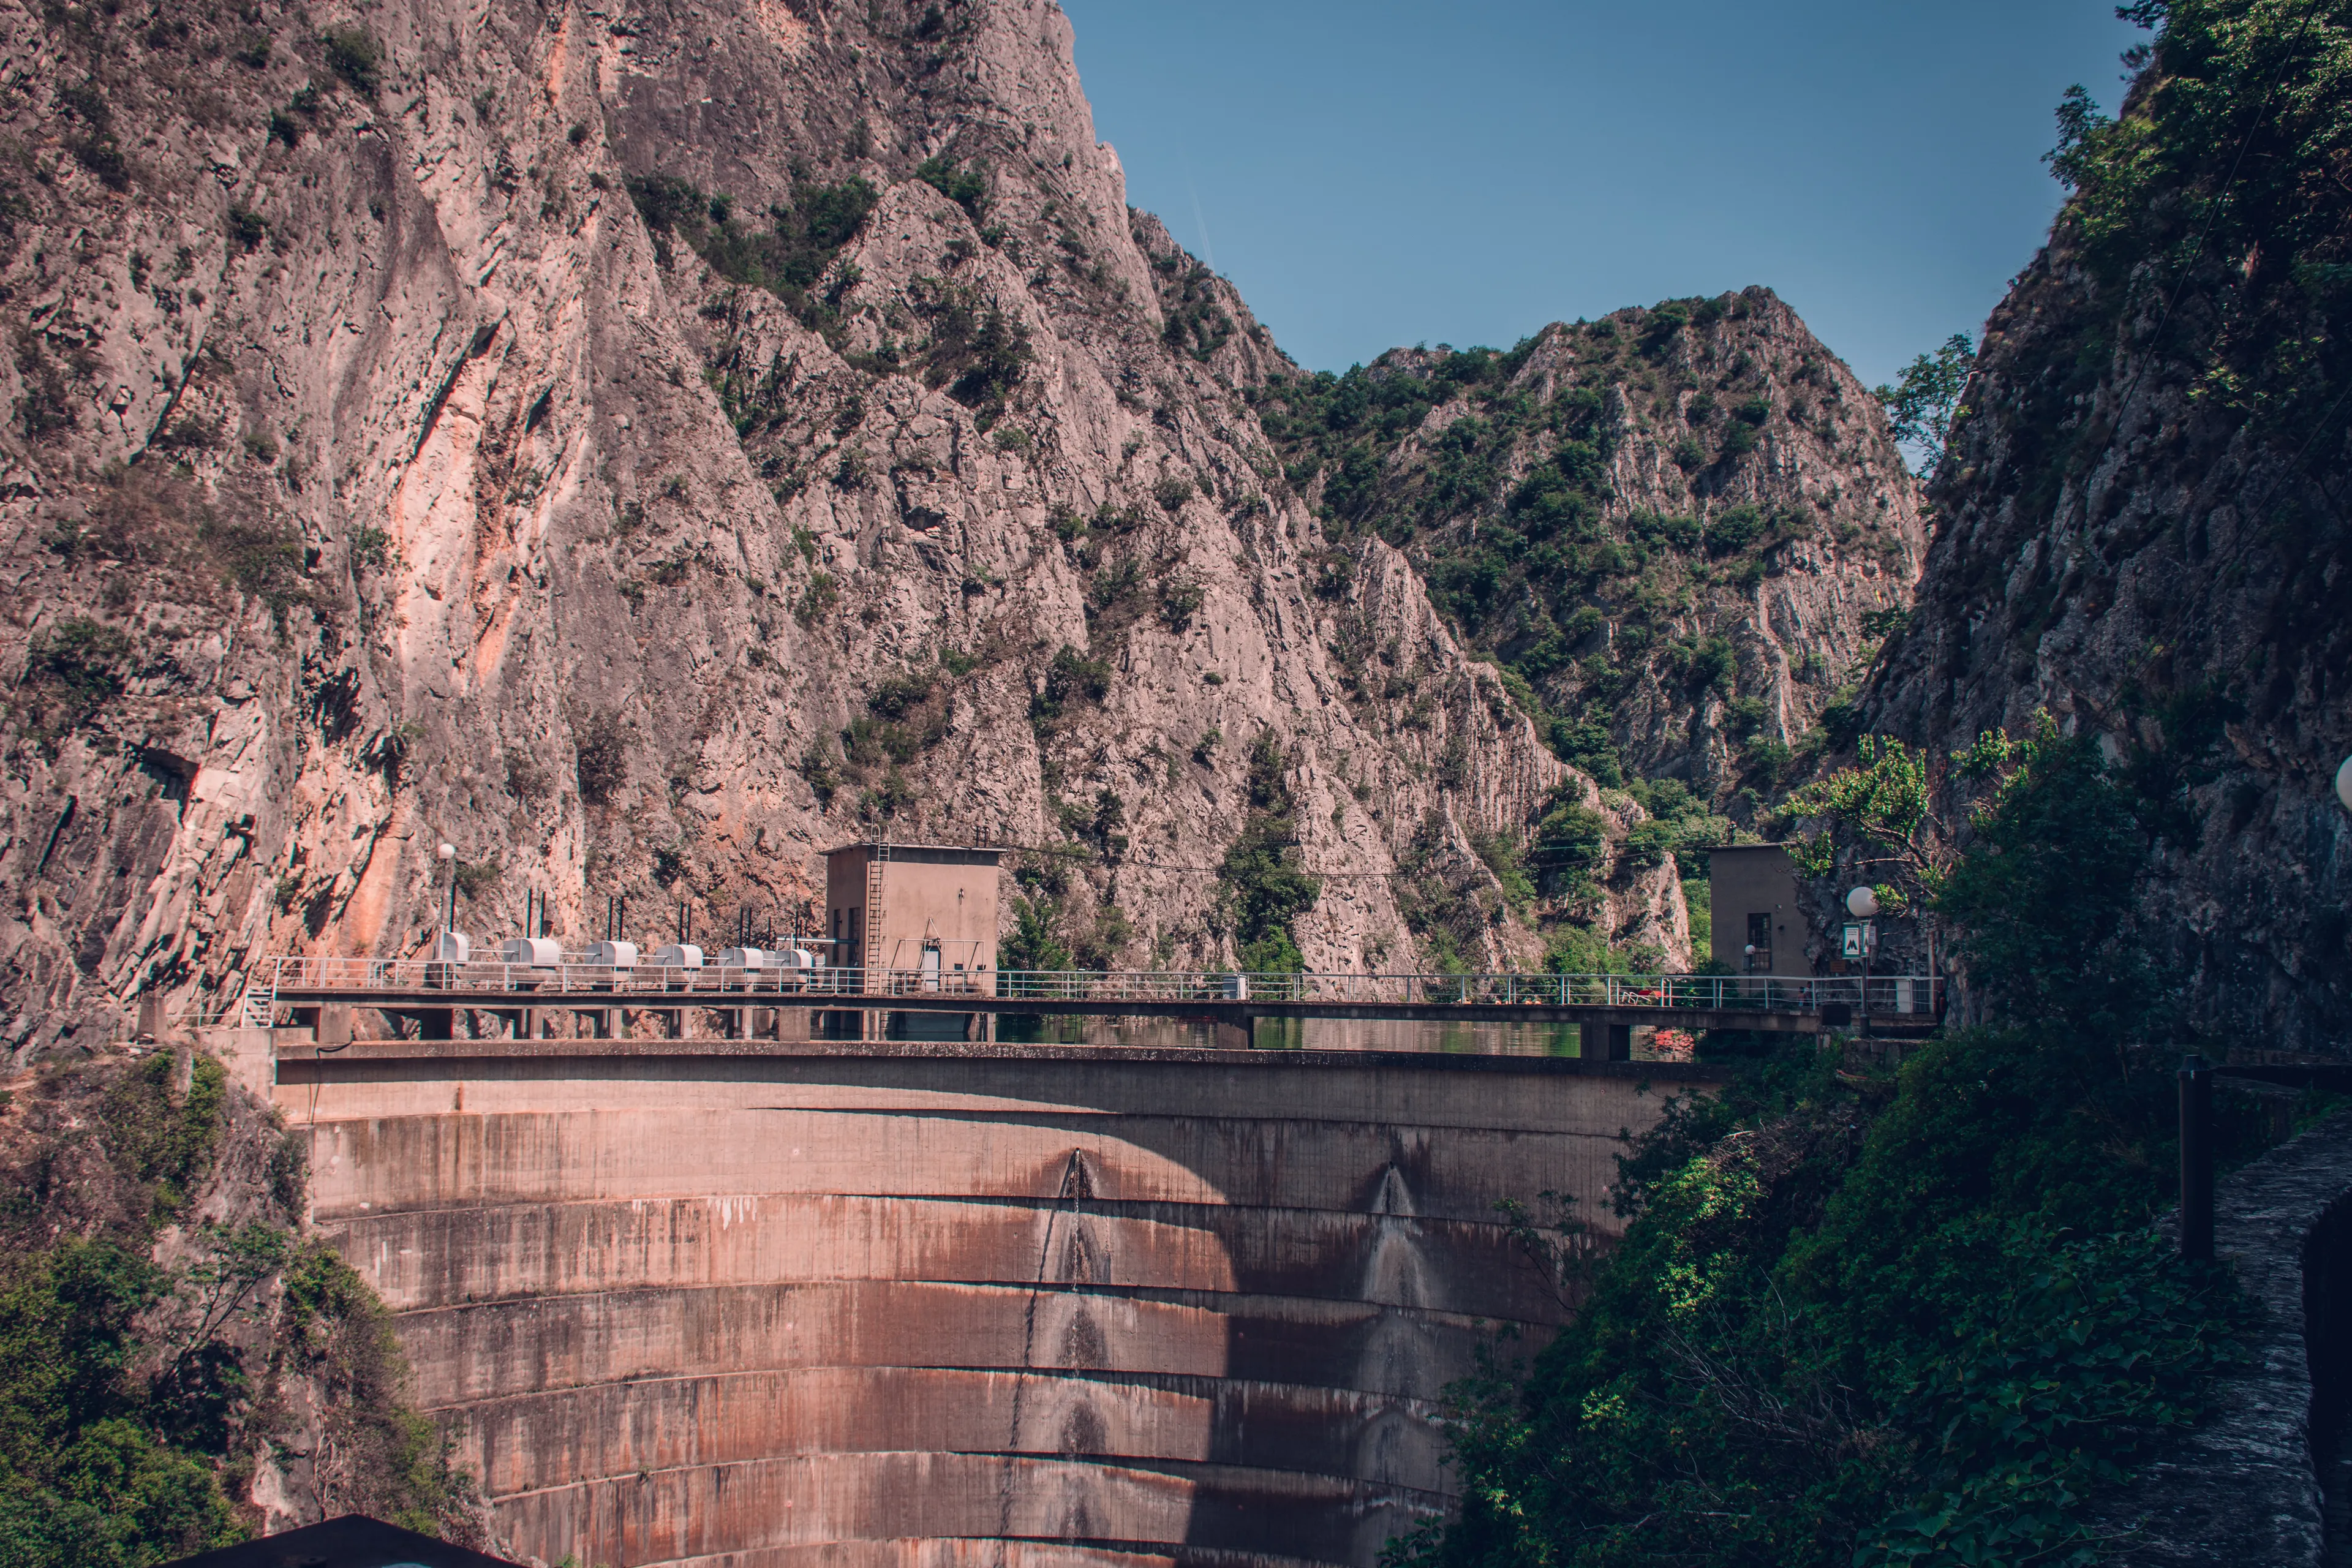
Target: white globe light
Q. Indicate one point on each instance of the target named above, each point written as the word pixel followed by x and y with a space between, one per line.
pixel 2344 783
pixel 1749 950
pixel 448 852
pixel 1861 903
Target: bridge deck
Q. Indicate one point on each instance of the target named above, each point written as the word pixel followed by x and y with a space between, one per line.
pixel 1212 1009
pixel 299 1063
pixel 1788 1003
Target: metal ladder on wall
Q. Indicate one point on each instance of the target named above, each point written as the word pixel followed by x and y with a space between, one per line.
pixel 258 1007
pixel 870 950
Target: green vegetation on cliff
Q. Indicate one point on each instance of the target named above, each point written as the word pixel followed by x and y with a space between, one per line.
pixel 2211 226
pixel 1871 1316
pixel 1593 507
pixel 149 1362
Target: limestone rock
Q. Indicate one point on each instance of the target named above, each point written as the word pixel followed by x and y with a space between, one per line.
pixel 642 446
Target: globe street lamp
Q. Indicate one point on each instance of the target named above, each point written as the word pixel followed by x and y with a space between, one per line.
pixel 2344 783
pixel 1861 903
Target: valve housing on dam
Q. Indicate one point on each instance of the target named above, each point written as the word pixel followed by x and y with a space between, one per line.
pixel 725 1302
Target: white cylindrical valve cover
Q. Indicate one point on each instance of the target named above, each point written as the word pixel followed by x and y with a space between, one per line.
pixel 678 955
pixel 746 958
pixel 618 954
pixel 537 952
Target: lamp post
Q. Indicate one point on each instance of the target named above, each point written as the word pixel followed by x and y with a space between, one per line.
pixel 1861 903
pixel 447 856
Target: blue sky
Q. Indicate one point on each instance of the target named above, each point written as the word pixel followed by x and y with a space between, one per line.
pixel 1373 174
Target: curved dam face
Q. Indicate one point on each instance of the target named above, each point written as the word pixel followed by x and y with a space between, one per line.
pixel 714 1303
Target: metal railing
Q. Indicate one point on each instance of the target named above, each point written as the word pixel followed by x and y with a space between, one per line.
pixel 649 985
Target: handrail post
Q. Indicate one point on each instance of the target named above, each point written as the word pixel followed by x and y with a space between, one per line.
pixel 2196 1160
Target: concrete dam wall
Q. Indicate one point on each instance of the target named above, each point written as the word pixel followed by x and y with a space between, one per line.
pixel 716 1303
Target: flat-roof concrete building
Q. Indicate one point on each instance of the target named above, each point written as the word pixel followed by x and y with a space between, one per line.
pixel 1752 895
pixel 919 909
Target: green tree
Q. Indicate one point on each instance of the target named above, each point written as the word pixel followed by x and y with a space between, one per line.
pixel 1262 889
pixel 1863 1319
pixel 2044 901
pixel 1926 398
pixel 1035 942
pixel 1884 804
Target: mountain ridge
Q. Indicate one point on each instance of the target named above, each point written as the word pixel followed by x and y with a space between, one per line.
pixel 643 448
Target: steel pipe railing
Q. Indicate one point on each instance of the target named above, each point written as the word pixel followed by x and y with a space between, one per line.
pixel 649 985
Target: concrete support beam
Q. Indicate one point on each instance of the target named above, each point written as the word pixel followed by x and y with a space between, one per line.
pixel 1605 1042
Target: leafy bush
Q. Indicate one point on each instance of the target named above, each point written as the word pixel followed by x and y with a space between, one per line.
pixel 261 556
pixel 1665 327
pixel 1035 942
pixel 817 599
pixel 130 1392
pixel 353 54
pixel 1713 663
pixel 1649 843
pixel 1180 600
pixel 968 188
pixel 1862 1318
pixel 1071 674
pixel 1569 834
pixel 1195 322
pixel 600 760
pixel 899 694
pixel 1734 529
pixel 1579 949
pixel 2228 148
pixel 1585 742
pixel 1261 887
pixel 1744 716
pixel 1674 533
pixel 976 352
pixel 1172 492
pixel 87 1480
pixel 788 259
pixel 75 668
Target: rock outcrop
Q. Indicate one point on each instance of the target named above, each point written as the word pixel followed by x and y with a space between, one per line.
pixel 1685 527
pixel 2118 548
pixel 639 446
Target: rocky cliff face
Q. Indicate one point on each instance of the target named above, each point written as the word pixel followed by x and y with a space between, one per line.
pixel 1675 524
pixel 2118 551
pixel 641 446
pixel 2142 524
